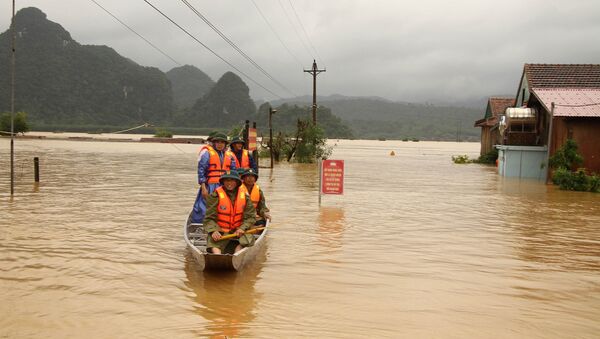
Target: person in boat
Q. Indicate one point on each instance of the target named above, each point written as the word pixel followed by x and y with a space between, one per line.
pixel 208 144
pixel 243 157
pixel 211 165
pixel 257 196
pixel 229 210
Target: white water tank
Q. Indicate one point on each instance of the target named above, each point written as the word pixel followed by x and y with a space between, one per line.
pixel 525 113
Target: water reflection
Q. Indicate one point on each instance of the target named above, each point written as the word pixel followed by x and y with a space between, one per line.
pixel 226 299
pixel 331 227
pixel 556 232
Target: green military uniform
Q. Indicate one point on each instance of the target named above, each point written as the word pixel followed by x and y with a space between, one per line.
pixel 261 207
pixel 210 221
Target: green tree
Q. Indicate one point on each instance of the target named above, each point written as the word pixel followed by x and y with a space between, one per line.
pixel 312 144
pixel 566 156
pixel 20 122
pixel 287 116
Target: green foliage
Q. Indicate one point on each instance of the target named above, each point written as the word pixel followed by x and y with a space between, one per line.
pixel 286 120
pixel 20 124
pixel 227 103
pixel 373 118
pixel 594 183
pixel 312 145
pixel 566 156
pixel 488 158
pixel 576 181
pixel 236 131
pixel 59 81
pixel 163 133
pixel 461 159
pixel 189 84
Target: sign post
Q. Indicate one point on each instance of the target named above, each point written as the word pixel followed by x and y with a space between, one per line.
pixel 251 139
pixel 331 177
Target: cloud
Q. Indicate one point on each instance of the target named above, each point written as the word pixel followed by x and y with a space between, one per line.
pixel 430 50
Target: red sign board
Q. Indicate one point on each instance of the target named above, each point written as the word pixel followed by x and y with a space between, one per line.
pixel 332 177
pixel 252 139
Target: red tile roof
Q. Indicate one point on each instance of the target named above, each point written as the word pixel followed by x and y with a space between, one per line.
pixel 562 75
pixel 499 104
pixel 570 102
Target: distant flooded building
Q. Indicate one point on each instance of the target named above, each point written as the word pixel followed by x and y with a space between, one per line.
pixel 553 103
pixel 489 124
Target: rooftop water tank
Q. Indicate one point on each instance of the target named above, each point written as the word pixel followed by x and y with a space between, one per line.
pixel 520 113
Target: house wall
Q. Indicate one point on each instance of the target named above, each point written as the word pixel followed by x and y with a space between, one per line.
pixel 585 132
pixel 485 140
pixel 522 161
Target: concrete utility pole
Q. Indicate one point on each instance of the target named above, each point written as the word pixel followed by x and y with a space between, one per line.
pixel 271 112
pixel 12 104
pixel 314 71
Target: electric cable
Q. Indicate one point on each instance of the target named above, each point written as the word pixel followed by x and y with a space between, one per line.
pixel 210 50
pixel 136 33
pixel 234 46
pixel 296 30
pixel 303 30
pixel 276 34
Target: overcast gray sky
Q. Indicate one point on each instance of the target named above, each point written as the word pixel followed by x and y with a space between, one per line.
pixel 416 51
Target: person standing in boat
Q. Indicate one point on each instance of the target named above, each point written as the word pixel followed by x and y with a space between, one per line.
pixel 208 145
pixel 211 165
pixel 243 157
pixel 257 196
pixel 229 210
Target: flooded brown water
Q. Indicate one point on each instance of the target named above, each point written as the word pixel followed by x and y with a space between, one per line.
pixel 416 247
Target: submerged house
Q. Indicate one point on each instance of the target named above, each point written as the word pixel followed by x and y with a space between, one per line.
pixel 554 102
pixel 489 124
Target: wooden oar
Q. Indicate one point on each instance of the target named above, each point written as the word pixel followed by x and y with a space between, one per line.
pixel 250 231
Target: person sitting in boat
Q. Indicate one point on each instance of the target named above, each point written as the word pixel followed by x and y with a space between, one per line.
pixel 211 165
pixel 257 196
pixel 229 210
pixel 243 157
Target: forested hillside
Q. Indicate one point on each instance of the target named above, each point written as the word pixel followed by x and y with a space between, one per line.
pixel 372 118
pixel 189 84
pixel 59 81
pixel 286 118
pixel 227 103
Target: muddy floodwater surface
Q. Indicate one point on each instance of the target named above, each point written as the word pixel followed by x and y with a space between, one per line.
pixel 417 246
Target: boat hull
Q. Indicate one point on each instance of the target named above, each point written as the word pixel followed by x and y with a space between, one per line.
pixel 195 239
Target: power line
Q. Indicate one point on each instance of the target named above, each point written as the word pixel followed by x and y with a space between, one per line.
pixel 232 44
pixel 303 30
pixel 295 30
pixel 136 33
pixel 210 50
pixel 276 34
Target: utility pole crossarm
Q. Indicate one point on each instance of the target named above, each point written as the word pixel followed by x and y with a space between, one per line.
pixel 314 72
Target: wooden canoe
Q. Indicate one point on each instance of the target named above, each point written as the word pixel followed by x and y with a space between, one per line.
pixel 195 239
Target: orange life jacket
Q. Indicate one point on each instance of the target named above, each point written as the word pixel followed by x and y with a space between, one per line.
pixel 215 167
pixel 254 195
pixel 230 216
pixel 245 162
pixel 204 147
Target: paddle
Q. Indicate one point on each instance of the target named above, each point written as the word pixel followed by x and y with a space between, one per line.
pixel 250 231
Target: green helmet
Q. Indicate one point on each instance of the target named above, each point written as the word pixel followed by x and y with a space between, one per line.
pixel 230 175
pixel 249 171
pixel 237 140
pixel 219 137
pixel 211 135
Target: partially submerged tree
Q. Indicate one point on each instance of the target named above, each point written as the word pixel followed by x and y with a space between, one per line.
pixel 20 123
